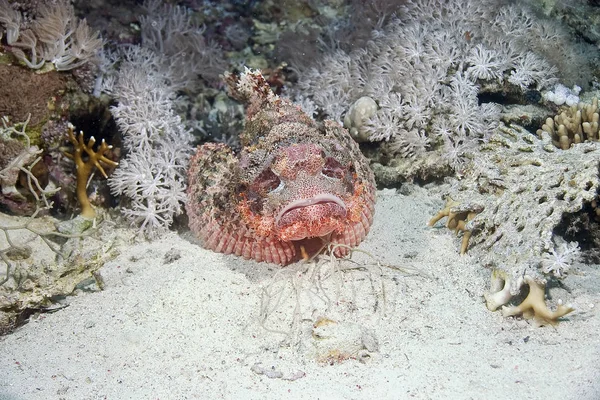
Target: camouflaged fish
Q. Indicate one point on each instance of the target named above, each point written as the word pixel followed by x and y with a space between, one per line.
pixel 296 184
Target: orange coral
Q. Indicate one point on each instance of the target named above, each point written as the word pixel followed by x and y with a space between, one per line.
pixel 85 167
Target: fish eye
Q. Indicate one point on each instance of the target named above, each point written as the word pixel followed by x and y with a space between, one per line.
pixel 267 181
pixel 333 168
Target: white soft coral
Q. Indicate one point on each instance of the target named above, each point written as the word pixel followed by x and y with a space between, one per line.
pixel 152 176
pixel 559 260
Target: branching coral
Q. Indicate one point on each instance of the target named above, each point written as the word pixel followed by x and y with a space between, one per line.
pixel 86 159
pixel 458 215
pixel 534 306
pixel 575 124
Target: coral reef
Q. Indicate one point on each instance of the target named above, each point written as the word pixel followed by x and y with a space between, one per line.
pixel 147 81
pixel 433 72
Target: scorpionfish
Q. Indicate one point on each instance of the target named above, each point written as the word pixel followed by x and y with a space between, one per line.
pixel 295 186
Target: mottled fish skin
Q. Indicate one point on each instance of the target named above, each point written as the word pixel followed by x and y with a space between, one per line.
pixel 295 184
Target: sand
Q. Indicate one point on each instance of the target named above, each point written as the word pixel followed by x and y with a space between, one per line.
pixel 175 321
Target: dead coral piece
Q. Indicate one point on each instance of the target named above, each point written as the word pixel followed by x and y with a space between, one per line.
pixel 458 215
pixel 499 293
pixel 575 124
pixel 534 306
pixel 334 342
pixel 85 167
pixel 21 171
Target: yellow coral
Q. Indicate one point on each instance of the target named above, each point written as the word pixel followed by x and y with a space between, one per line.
pixel 534 306
pixel 85 167
pixel 575 124
pixel 457 220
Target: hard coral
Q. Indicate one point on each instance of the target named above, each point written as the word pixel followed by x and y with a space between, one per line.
pixel 575 124
pixel 534 306
pixel 458 215
pixel 86 159
pixel 526 187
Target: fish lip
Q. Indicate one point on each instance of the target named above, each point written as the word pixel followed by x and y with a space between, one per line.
pixel 319 198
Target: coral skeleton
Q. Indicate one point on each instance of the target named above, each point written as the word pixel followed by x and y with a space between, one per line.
pixel 534 306
pixel 86 159
pixel 525 186
pixel 499 293
pixel 458 215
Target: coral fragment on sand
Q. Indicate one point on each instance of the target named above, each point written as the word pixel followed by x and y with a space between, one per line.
pixel 534 306
pixel 458 215
pixel 499 293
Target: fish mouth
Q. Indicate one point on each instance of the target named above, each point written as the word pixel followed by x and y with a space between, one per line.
pixel 311 217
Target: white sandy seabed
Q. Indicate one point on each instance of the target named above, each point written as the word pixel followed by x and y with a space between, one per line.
pixel 175 321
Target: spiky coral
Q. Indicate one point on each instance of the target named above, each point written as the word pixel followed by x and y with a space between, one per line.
pixel 86 166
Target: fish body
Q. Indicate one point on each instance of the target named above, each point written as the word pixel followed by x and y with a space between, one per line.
pixel 295 185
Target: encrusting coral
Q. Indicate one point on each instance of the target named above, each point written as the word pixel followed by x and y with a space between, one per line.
pixel 576 124
pixel 86 166
pixel 458 215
